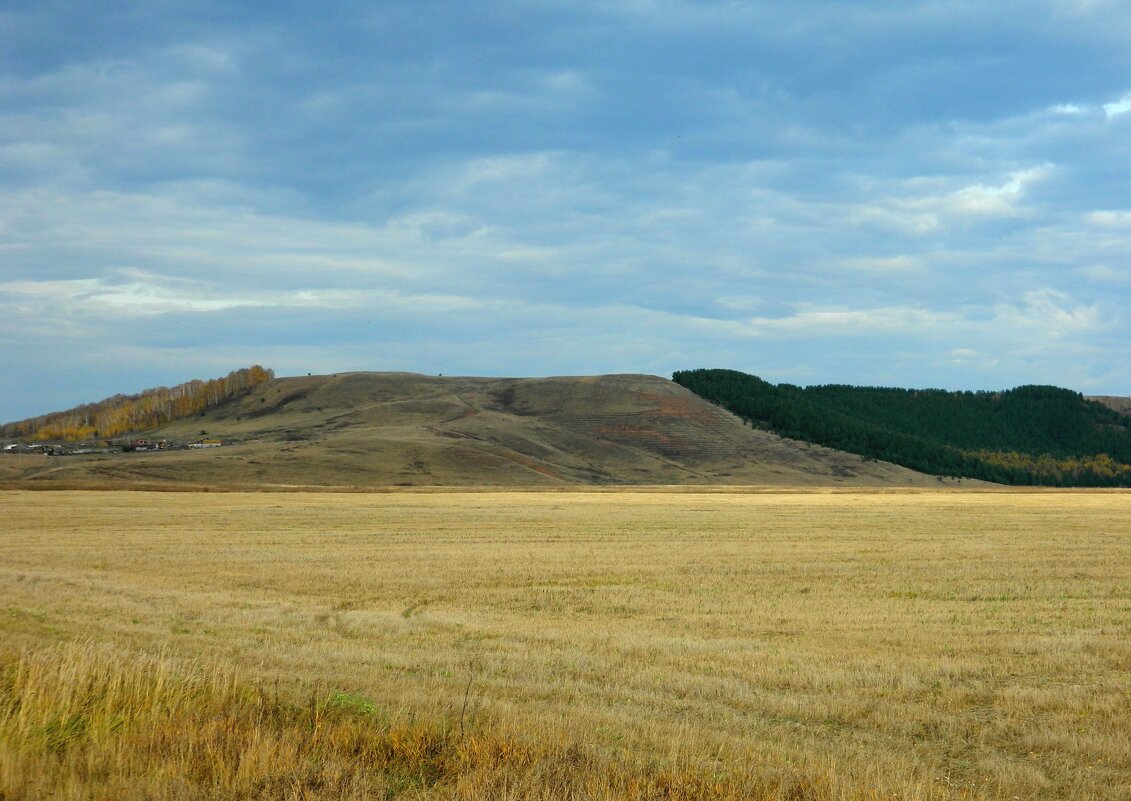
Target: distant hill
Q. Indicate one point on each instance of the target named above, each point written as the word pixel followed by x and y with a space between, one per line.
pixel 371 430
pixel 1038 435
pixel 1114 402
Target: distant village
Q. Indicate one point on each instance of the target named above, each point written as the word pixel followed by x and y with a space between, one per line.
pixel 121 445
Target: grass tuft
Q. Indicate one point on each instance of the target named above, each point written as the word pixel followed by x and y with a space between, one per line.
pixel 87 721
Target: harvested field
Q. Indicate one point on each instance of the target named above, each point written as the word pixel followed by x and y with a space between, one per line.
pixel 645 644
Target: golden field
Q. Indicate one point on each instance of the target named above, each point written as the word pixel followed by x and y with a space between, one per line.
pixel 498 645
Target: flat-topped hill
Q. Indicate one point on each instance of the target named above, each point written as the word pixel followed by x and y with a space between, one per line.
pixel 386 429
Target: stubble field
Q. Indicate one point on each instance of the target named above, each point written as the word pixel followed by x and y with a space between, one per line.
pixel 648 645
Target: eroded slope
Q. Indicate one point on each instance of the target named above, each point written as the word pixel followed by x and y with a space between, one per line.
pixel 384 429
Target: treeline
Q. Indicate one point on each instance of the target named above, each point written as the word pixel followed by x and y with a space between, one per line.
pixel 126 414
pixel 1039 435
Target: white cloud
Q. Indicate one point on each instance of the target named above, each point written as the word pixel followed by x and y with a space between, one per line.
pixel 528 91
pixel 1051 313
pixel 1106 274
pixel 138 293
pixel 897 214
pixel 744 303
pixel 1111 219
pixel 850 322
pixel 1040 312
pixel 927 205
pixel 503 171
pixel 972 359
pixel 82 297
pixel 883 265
pixel 204 233
pixel 1001 199
pixel 1118 107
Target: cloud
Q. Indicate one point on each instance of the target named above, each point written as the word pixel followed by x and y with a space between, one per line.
pixel 825 190
pixel 1118 107
pixel 1106 274
pixel 849 323
pixel 999 200
pixel 921 208
pixel 134 297
pixel 1050 313
pixel 1044 313
pixel 971 359
pixel 883 265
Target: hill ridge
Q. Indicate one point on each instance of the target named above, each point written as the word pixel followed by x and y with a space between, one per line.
pixel 368 430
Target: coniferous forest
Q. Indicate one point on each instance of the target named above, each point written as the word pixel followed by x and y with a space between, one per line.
pixel 126 414
pixel 1036 435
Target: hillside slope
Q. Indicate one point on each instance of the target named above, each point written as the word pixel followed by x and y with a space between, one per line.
pixel 1031 435
pixel 386 429
pixel 1116 403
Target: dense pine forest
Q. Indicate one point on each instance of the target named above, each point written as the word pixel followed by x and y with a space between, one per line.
pixel 126 414
pixel 1038 435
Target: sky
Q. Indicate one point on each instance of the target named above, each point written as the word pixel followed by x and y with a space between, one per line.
pixel 917 194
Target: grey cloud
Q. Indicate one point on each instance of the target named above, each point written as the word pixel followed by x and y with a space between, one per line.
pixel 815 191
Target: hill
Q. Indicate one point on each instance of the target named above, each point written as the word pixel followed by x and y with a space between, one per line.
pixel 1115 402
pixel 384 429
pixel 1039 435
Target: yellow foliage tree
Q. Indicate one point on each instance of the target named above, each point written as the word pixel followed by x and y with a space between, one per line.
pixel 125 414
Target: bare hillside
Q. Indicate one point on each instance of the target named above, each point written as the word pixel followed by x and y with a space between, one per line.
pixel 387 429
pixel 1116 402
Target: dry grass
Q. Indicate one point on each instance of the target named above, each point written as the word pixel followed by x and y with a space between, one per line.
pixel 81 722
pixel 847 645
